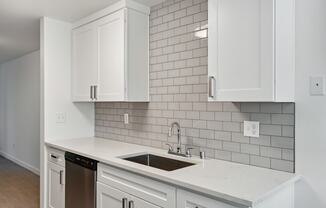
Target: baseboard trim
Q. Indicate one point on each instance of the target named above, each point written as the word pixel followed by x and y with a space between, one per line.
pixel 20 163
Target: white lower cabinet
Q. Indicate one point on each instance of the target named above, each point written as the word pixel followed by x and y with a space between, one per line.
pixel 108 197
pixel 56 178
pixel 56 186
pixel 117 188
pixel 186 199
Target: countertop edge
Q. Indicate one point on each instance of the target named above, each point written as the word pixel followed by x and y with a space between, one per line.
pixel 261 198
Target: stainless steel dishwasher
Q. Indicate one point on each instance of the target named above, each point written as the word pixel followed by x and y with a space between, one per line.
pixel 80 181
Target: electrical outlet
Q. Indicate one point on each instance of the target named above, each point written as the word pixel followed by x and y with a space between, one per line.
pixel 317 85
pixel 251 129
pixel 126 118
pixel 61 117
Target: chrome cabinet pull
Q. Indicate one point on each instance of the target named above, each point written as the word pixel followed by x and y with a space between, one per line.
pixel 54 157
pixel 124 202
pixel 95 92
pixel 91 92
pixel 61 175
pixel 131 204
pixel 211 87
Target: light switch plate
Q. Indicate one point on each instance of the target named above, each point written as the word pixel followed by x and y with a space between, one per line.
pixel 251 129
pixel 317 85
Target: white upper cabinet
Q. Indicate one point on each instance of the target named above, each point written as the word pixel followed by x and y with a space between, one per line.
pixel 251 50
pixel 111 56
pixel 84 62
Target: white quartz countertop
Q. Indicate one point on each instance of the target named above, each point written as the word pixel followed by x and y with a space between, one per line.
pixel 235 183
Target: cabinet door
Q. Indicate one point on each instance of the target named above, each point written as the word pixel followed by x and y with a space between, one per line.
pixel 56 187
pixel 111 57
pixel 84 62
pixel 108 197
pixel 241 50
pixel 187 199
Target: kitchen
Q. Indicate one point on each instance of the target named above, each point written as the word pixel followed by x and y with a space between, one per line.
pixel 189 103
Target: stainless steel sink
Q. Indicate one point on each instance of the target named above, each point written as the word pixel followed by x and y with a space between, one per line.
pixel 159 162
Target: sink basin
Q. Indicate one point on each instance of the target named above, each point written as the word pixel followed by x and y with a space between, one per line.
pixel 159 162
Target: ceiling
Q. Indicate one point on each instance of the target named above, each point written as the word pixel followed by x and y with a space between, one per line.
pixel 19 20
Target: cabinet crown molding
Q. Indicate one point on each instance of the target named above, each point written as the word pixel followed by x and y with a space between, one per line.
pixel 129 4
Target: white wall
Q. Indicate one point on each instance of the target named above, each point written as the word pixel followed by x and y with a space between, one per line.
pixel 56 92
pixel 20 110
pixel 56 86
pixel 310 111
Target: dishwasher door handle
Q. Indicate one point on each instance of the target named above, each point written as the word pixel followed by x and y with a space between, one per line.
pixel 124 202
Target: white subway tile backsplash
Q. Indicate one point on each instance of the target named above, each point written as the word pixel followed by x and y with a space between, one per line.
pixel 271 108
pixel 288 131
pixel 238 137
pixel 223 155
pixel 250 149
pixel 274 130
pixel 231 126
pixel 262 140
pixel 250 107
pixel 282 165
pixel 260 161
pixel 271 152
pixel 283 142
pixel 263 118
pixel 240 158
pixel 283 119
pixel 178 92
pixel 231 146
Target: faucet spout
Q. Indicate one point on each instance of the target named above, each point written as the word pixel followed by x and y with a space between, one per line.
pixel 177 125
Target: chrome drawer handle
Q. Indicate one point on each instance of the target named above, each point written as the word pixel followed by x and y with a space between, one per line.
pixel 54 157
pixel 131 204
pixel 124 202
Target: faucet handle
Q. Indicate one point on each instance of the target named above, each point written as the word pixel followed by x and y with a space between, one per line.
pixel 188 151
pixel 170 147
pixel 202 155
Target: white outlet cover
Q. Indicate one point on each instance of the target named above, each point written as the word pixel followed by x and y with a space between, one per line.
pixel 317 85
pixel 60 117
pixel 126 118
pixel 251 128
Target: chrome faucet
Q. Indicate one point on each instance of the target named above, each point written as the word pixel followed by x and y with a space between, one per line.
pixel 179 151
pixel 178 134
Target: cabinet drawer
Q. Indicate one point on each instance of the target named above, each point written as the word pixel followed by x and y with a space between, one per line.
pixel 56 156
pixel 188 199
pixel 149 190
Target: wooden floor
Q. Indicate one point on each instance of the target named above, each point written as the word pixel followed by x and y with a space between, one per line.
pixel 19 188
